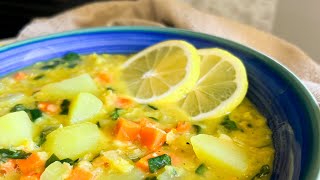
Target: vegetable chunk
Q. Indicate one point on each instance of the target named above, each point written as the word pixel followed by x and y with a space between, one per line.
pixel 117 162
pixel 127 130
pixel 219 153
pixel 56 171
pixel 152 137
pixel 15 129
pixel 74 141
pixel 69 88
pixel 84 107
pixel 32 165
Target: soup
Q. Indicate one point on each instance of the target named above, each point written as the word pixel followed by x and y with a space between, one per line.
pixel 73 118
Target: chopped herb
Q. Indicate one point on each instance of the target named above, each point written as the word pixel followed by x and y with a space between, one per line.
pixel 72 65
pixel 153 118
pixel 110 89
pixel 159 162
pixel 201 169
pixel 70 161
pixel 197 128
pixel 95 157
pixel 12 154
pixel 35 114
pixel 152 107
pixel 65 107
pixel 264 171
pixel 115 114
pixel 53 158
pixel 70 59
pixel 98 124
pixel 229 124
pixel 18 107
pixel 51 64
pixel 135 159
pixel 71 56
pixel 38 77
pixel 165 144
pixel 151 178
pixel 45 132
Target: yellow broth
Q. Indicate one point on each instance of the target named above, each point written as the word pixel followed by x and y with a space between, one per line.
pixel 252 133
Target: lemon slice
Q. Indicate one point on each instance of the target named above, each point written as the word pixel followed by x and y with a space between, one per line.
pixel 221 87
pixel 164 72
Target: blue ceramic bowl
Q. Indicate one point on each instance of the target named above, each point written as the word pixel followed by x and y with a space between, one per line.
pixel 292 113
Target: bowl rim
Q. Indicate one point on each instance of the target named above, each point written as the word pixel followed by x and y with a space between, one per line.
pixel 309 100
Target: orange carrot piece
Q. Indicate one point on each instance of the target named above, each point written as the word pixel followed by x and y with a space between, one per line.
pixel 122 102
pixel 143 162
pixel 8 166
pixel 152 137
pixel 19 76
pixel 104 77
pixel 126 130
pixel 80 174
pixel 48 107
pixel 32 165
pixel 183 126
pixel 30 177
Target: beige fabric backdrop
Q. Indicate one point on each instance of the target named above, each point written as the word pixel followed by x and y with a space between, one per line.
pixel 178 14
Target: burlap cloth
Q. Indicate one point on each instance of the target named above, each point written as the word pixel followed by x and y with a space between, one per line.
pixel 174 13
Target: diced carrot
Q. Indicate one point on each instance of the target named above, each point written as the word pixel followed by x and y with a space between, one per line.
pixel 19 76
pixel 104 77
pixel 8 166
pixel 30 177
pixel 122 102
pixel 183 126
pixel 127 130
pixel 48 107
pixel 143 162
pixel 80 174
pixel 152 137
pixel 32 165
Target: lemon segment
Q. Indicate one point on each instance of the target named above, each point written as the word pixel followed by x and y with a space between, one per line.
pixel 221 86
pixel 164 72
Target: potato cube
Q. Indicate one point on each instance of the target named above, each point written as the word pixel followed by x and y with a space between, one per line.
pixel 15 129
pixel 56 171
pixel 85 107
pixel 69 88
pixel 220 153
pixel 74 141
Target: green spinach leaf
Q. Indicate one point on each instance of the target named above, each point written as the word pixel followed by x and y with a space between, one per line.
pixel 152 107
pixel 45 132
pixel 13 154
pixel 53 158
pixel 158 162
pixel 65 107
pixel 201 169
pixel 71 56
pixel 115 114
pixel 229 124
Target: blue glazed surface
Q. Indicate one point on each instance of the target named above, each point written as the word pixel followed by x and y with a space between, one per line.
pixel 292 113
